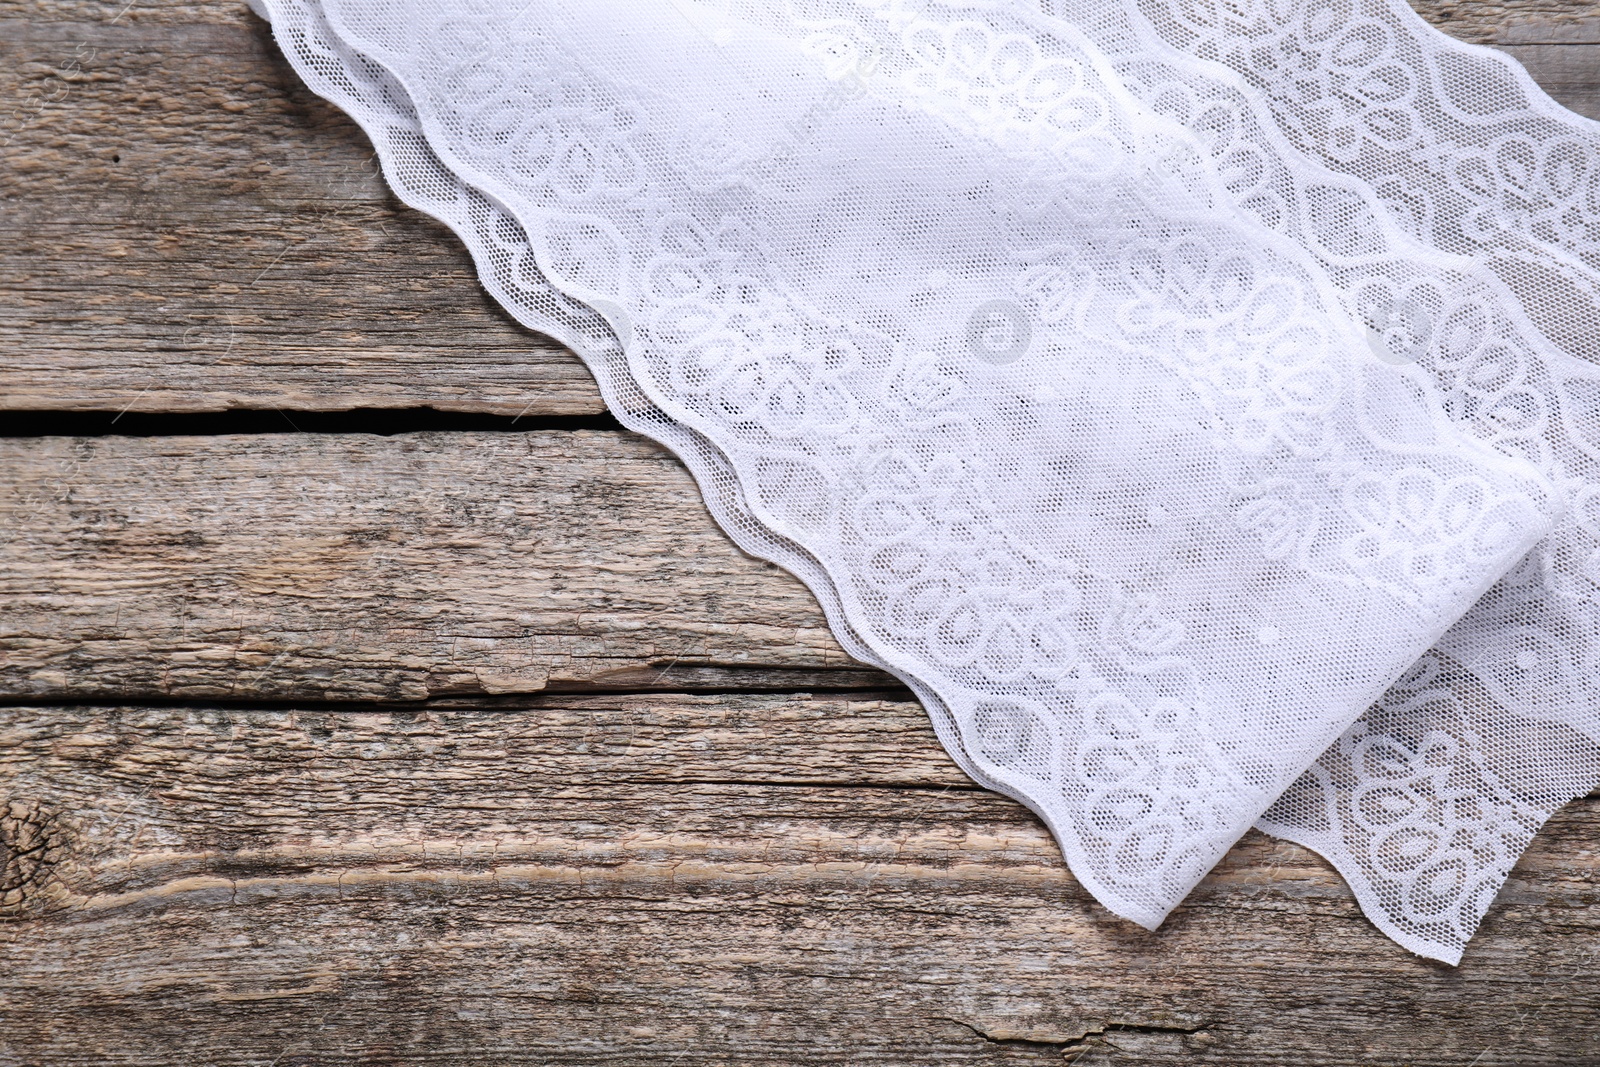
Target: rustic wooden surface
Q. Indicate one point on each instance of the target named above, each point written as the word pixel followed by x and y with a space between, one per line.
pixel 486 747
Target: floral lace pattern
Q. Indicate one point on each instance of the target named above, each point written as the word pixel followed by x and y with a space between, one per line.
pixel 1457 148
pixel 1119 430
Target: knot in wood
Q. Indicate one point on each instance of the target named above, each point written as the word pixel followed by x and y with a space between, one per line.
pixel 29 847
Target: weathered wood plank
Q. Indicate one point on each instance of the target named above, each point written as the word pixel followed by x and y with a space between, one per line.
pixel 1582 30
pixel 369 568
pixel 1489 21
pixel 1563 56
pixel 683 880
pixel 187 228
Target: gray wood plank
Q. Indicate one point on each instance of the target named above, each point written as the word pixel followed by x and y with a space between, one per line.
pixel 1580 30
pixel 683 880
pixel 1494 21
pixel 371 568
pixel 188 228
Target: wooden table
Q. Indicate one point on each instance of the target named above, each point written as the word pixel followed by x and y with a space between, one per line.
pixel 477 742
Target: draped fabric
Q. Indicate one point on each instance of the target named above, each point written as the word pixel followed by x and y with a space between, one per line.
pixel 1194 403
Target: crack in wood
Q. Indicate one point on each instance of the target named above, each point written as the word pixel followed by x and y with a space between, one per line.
pixel 1078 1041
pixel 31 840
pixel 382 422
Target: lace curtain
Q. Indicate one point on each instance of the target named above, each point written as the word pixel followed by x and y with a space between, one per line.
pixel 1194 403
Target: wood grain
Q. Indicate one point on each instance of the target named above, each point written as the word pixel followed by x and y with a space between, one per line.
pixel 187 228
pixel 685 880
pixel 1498 21
pixel 333 567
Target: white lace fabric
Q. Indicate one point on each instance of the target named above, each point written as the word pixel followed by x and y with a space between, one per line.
pixel 1428 800
pixel 1148 443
